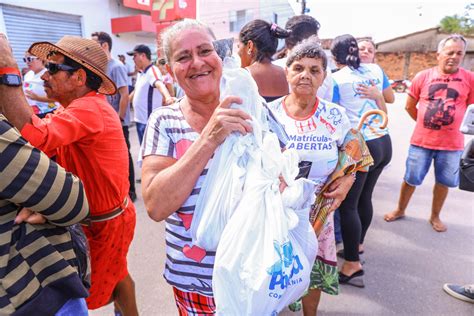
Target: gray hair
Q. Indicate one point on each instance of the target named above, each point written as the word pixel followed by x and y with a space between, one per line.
pixel 454 38
pixel 170 33
pixel 308 48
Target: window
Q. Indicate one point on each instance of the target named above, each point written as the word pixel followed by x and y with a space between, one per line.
pixel 237 19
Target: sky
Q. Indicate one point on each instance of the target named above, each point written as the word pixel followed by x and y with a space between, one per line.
pixel 383 19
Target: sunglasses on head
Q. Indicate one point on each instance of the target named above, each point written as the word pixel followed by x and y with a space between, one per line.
pixel 29 59
pixel 54 68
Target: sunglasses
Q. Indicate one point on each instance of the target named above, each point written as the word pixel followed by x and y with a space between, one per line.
pixel 54 68
pixel 29 59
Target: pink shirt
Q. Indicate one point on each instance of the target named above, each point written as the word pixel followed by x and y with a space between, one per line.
pixel 442 102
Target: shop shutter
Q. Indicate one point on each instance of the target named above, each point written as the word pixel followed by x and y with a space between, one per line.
pixel 26 26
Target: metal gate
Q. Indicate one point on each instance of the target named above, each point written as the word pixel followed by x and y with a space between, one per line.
pixel 26 26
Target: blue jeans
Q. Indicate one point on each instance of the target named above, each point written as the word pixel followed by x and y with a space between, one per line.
pixel 74 307
pixel 140 131
pixel 446 166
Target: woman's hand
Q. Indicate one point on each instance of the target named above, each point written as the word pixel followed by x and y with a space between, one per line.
pixel 170 100
pixel 369 92
pixel 372 92
pixel 224 121
pixel 338 190
pixel 25 215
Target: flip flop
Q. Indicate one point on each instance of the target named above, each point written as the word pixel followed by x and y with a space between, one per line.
pixel 355 279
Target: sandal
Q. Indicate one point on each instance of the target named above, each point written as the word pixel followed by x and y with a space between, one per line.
pixel 355 279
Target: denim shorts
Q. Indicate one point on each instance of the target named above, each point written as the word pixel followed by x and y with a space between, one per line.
pixel 446 166
pixel 74 307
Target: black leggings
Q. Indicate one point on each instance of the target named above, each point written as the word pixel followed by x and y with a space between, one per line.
pixel 356 210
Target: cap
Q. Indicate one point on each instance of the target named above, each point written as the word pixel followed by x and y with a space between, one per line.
pixel 140 49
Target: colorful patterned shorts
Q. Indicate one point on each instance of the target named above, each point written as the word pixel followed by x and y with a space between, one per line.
pixel 193 304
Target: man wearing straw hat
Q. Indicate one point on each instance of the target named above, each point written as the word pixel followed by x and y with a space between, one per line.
pixel 87 139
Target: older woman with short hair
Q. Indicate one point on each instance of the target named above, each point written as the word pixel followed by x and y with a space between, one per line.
pixel 317 129
pixel 179 143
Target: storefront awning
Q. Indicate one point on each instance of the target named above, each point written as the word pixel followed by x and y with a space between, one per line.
pixel 136 23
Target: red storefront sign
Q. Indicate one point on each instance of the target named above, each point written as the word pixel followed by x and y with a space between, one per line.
pixel 137 4
pixel 172 10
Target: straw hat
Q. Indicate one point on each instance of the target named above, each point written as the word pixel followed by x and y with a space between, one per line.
pixel 86 52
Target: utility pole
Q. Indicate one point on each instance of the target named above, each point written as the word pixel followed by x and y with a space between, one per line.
pixel 303 6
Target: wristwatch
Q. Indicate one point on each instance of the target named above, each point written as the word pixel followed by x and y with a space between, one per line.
pixel 10 77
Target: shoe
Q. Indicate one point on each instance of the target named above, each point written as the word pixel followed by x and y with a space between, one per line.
pixel 355 279
pixel 133 196
pixel 462 292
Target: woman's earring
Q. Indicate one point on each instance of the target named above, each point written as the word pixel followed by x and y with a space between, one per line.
pixel 249 52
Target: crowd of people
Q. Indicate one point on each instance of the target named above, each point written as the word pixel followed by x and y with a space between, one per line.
pixel 65 158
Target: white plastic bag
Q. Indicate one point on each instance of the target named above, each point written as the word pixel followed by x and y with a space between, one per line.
pixel 223 185
pixel 266 252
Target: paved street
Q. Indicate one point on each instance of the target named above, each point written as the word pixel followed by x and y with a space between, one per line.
pixel 406 261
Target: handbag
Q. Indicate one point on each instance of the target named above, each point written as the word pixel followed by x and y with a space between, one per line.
pixel 80 246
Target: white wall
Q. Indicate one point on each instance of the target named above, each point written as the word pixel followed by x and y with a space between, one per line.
pixel 96 16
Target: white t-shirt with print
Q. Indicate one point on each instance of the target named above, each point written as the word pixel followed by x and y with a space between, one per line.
pixel 346 82
pixel 33 82
pixel 316 138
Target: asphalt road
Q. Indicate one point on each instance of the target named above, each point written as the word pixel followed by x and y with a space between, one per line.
pixel 406 262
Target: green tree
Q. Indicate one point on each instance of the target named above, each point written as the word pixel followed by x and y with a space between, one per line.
pixel 459 24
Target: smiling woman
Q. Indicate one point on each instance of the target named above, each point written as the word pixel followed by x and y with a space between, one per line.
pixel 179 143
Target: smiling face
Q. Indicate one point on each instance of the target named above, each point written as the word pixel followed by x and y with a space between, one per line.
pixel 366 52
pixel 305 76
pixel 450 56
pixel 195 64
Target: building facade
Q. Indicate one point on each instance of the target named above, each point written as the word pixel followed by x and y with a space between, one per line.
pixel 131 22
pixel 403 57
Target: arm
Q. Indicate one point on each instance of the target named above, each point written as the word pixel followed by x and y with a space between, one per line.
pixel 170 88
pixel 124 99
pixel 158 84
pixel 167 182
pixel 130 97
pixel 79 120
pixel 387 90
pixel 33 96
pixel 61 199
pixel 13 102
pixel 388 95
pixel 410 107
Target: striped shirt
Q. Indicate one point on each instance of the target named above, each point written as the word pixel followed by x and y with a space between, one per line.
pixel 37 262
pixel 188 267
